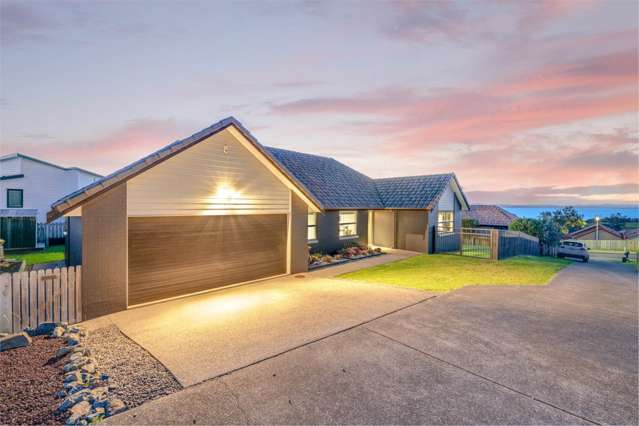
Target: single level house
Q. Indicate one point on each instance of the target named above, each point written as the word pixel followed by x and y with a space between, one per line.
pixel 489 216
pixel 631 234
pixel 28 186
pixel 595 232
pixel 218 209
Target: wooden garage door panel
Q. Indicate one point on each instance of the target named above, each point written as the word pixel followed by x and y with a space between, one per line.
pixel 172 256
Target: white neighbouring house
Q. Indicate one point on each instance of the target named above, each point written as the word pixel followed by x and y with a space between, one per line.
pixel 28 187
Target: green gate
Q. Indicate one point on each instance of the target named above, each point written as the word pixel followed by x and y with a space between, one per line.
pixel 18 232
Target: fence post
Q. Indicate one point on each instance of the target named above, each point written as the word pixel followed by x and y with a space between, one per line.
pixel 494 244
pixel 6 299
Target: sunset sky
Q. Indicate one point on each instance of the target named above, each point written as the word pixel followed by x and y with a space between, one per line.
pixel 527 102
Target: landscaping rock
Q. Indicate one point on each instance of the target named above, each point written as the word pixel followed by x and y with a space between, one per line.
pixel 45 329
pixel 63 351
pixel 88 368
pixel 81 349
pixel 76 376
pixel 66 404
pixel 13 341
pixel 78 412
pixel 86 391
pixel 76 356
pixel 116 406
pixel 72 339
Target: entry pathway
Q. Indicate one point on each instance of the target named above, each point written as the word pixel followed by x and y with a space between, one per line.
pixel 559 354
pixel 204 336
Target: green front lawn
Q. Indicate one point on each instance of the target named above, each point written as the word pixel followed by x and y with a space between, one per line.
pixel 47 255
pixel 440 272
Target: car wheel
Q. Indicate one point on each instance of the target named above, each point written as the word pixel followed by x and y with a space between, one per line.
pixel 560 256
pixel 585 259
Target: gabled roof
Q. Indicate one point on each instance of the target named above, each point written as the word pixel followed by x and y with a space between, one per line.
pixel 37 160
pixel 82 195
pixel 414 192
pixel 592 228
pixel 334 184
pixel 631 234
pixel 338 186
pixel 489 215
pixel 326 183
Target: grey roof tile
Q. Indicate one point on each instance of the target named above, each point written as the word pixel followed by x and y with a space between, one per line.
pixel 416 192
pixel 334 184
pixel 489 215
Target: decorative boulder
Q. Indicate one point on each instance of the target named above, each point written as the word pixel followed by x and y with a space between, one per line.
pixel 14 341
pixel 45 329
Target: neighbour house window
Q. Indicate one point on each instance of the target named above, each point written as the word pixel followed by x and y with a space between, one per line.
pixel 445 221
pixel 15 198
pixel 348 224
pixel 312 227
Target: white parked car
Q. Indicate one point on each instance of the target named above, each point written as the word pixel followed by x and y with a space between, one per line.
pixel 572 248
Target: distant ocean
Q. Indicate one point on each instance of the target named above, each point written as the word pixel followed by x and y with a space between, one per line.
pixel 589 212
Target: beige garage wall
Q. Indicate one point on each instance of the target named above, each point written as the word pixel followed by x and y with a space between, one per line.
pixel 104 254
pixel 218 176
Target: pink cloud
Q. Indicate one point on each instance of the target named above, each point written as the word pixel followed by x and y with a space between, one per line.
pixel 601 73
pixel 108 152
pixel 558 195
pixel 596 87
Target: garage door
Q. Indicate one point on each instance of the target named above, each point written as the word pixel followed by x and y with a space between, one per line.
pixel 173 256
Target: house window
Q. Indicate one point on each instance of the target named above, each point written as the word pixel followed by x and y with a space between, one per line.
pixel 312 228
pixel 15 198
pixel 348 224
pixel 445 221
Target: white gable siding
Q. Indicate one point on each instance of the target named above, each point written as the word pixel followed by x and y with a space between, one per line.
pixel 11 166
pixel 190 183
pixel 83 178
pixel 447 200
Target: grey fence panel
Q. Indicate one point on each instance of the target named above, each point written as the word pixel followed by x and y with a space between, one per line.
pixel 517 244
pixel 447 242
pixel 50 231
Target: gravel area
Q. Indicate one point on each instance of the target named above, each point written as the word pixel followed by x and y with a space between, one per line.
pixel 135 375
pixel 28 382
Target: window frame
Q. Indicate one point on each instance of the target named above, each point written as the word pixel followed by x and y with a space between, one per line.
pixel 313 226
pixel 449 227
pixel 21 191
pixel 340 223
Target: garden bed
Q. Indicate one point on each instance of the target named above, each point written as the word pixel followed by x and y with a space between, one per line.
pixel 317 260
pixel 30 377
pixel 11 266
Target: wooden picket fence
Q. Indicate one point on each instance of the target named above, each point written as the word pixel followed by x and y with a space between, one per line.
pixel 31 298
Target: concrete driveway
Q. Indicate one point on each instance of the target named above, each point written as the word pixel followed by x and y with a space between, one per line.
pixel 204 336
pixel 560 354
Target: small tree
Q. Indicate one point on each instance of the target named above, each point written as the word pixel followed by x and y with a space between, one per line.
pixel 568 219
pixel 527 226
pixel 616 221
pixel 544 228
pixel 549 231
